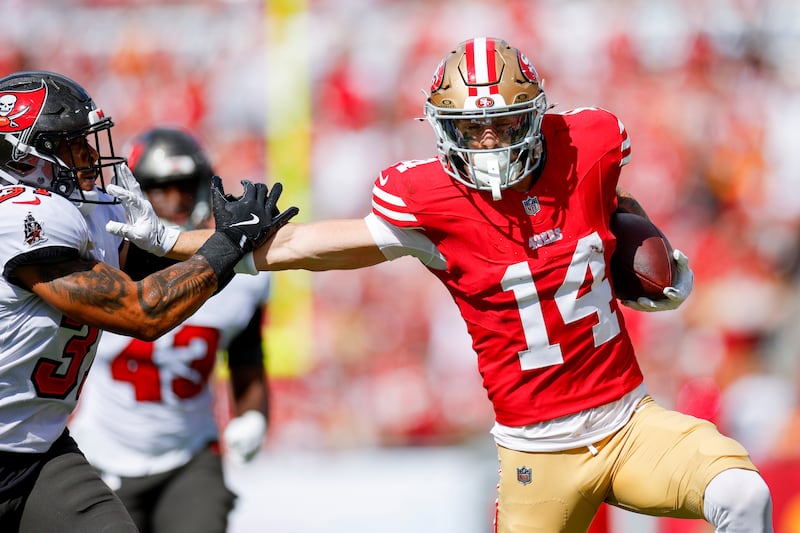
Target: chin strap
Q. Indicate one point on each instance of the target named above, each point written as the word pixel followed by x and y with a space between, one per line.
pixel 493 169
pixel 486 171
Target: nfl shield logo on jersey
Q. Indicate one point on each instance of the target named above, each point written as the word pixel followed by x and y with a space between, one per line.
pixel 531 205
pixel 524 475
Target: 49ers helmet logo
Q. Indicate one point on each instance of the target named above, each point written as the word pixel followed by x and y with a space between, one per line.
pixel 526 67
pixel 20 109
pixel 438 76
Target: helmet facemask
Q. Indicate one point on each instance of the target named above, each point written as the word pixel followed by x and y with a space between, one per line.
pixel 486 84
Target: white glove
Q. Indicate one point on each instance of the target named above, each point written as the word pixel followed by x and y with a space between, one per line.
pixel 244 436
pixel 675 295
pixel 144 228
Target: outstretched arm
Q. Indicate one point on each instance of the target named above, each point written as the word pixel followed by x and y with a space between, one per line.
pixel 324 245
pixel 97 294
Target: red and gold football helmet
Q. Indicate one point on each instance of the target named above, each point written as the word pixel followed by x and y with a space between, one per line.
pixel 485 83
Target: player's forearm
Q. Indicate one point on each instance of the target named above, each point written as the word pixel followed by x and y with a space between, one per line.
pixel 249 387
pixel 188 243
pixel 170 296
pixel 98 295
pixel 316 246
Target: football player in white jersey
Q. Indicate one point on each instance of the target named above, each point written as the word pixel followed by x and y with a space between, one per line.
pixel 61 284
pixel 145 418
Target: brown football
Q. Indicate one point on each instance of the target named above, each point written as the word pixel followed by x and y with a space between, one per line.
pixel 642 264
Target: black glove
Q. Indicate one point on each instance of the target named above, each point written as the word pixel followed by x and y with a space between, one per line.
pixel 244 222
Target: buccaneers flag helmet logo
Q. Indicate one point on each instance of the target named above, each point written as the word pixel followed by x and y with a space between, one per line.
pixel 20 109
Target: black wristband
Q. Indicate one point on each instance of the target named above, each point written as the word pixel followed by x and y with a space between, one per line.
pixel 222 254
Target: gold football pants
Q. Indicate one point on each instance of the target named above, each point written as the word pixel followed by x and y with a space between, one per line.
pixel 658 464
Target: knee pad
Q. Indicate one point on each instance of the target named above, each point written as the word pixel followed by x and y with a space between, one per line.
pixel 738 500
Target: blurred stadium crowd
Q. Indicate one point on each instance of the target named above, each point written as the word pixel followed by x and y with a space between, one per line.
pixel 709 91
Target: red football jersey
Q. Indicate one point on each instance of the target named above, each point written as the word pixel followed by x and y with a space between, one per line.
pixel 529 272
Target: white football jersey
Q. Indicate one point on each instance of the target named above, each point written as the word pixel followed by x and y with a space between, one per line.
pixel 44 356
pixel 147 406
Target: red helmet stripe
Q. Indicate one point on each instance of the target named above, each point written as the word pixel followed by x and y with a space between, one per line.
pixel 491 66
pixel 481 65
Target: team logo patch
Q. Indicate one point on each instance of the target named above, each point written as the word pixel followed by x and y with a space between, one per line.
pixel 524 475
pixel 34 233
pixel 438 76
pixel 531 205
pixel 19 111
pixel 526 67
pixel 485 101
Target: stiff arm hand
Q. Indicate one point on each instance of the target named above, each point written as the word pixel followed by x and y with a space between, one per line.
pixel 242 224
pixel 675 295
pixel 249 225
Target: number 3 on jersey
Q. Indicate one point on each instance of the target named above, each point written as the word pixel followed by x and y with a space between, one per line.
pixel 135 364
pixel 572 305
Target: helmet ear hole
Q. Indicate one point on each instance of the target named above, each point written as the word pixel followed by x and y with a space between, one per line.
pixel 64 186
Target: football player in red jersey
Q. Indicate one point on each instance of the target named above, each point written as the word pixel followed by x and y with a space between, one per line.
pixel 513 218
pixel 62 284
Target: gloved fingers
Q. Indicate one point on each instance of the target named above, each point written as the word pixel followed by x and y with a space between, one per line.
pixel 244 436
pixel 674 294
pixel 218 190
pixel 685 280
pixel 285 216
pixel 280 218
pixel 117 228
pixel 216 184
pixel 649 306
pixel 680 258
pixel 133 203
pixel 248 190
pixel 126 179
pixel 120 192
pixel 637 305
pixel 274 194
pixel 261 194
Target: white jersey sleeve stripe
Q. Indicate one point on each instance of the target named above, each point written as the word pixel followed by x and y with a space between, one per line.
pixel 394 215
pixel 388 198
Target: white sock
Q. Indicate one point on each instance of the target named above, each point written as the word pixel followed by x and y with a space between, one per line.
pixel 738 501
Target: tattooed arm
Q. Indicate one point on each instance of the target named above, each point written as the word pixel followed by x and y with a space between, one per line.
pixel 99 295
